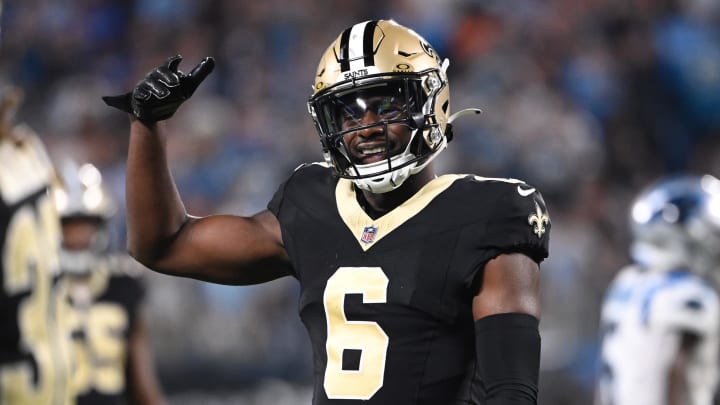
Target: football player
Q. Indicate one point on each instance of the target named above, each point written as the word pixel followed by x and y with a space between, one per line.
pixel 660 316
pixel 415 288
pixel 111 356
pixel 34 343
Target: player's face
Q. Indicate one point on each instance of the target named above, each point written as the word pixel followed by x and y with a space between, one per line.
pixel 379 135
pixel 78 233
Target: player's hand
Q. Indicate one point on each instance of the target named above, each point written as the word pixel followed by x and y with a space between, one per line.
pixel 157 96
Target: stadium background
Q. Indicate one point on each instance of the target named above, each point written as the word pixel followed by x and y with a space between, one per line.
pixel 587 100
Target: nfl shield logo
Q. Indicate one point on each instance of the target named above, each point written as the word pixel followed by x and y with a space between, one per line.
pixel 368 235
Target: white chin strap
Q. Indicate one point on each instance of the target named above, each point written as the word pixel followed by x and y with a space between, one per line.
pixel 384 183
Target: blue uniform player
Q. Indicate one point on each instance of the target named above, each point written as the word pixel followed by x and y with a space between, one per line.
pixel 661 314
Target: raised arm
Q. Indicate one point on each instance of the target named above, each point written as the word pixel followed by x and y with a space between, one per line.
pixel 161 235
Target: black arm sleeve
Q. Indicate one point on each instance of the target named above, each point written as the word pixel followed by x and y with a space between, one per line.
pixel 507 347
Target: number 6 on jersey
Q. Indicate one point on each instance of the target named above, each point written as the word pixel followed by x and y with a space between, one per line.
pixel 367 337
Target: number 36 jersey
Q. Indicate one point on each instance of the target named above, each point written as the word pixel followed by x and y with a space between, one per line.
pixel 387 302
pixel 34 352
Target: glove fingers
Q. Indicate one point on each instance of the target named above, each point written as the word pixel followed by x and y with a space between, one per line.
pixel 155 87
pixel 165 76
pixel 173 62
pixel 199 73
pixel 146 88
pixel 162 91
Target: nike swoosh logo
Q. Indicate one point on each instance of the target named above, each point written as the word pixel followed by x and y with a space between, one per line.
pixel 525 192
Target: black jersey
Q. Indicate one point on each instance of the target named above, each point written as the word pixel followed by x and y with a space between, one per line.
pixel 387 302
pixel 105 306
pixel 34 361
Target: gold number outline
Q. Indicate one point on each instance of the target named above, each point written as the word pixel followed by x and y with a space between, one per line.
pixel 100 359
pixel 367 337
pixel 29 262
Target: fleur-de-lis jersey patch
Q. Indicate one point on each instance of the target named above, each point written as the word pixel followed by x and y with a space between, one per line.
pixel 538 220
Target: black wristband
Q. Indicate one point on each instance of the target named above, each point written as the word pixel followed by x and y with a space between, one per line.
pixel 507 348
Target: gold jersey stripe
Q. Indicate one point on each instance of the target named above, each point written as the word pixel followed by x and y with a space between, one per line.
pixel 356 219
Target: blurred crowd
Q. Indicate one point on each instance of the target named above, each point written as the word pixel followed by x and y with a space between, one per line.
pixel 587 100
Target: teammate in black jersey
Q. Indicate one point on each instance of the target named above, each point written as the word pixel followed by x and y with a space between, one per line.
pixel 112 362
pixel 34 360
pixel 415 289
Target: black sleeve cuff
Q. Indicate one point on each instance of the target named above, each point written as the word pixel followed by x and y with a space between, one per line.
pixel 507 350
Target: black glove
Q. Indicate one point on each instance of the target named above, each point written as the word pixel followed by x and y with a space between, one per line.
pixel 160 93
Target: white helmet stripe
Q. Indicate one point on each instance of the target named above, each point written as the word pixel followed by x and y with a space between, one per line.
pixel 355 46
pixel 359 36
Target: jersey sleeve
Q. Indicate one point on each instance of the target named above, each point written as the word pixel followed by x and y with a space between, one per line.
pixel 520 221
pixel 276 202
pixel 308 181
pixel 277 199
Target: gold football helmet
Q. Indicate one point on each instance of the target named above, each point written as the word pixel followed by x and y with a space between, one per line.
pixel 383 67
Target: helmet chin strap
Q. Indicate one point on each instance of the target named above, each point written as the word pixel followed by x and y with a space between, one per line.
pixel 382 183
pixel 390 181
